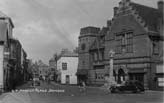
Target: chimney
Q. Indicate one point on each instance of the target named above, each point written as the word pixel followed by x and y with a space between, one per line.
pixel 160 5
pixel 109 23
pixel 115 9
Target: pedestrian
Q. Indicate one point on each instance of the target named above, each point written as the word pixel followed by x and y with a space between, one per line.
pixel 82 86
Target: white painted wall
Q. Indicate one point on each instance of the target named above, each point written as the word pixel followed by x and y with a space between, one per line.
pixel 72 65
pixel 1 66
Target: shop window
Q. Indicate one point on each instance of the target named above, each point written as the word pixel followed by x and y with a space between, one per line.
pixel 161 82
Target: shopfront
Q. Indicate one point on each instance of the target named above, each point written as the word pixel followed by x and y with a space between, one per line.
pixel 159 77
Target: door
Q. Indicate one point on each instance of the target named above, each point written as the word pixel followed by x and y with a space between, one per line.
pixel 121 76
pixel 67 79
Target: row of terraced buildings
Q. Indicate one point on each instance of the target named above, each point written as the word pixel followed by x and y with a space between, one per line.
pixel 13 58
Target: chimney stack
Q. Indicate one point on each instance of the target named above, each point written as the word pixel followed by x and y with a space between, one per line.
pixel 115 9
pixel 160 5
pixel 109 23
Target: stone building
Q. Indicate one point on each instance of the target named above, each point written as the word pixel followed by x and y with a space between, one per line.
pixel 135 34
pixel 53 67
pixel 67 65
pixel 11 55
pixel 86 39
pixel 43 70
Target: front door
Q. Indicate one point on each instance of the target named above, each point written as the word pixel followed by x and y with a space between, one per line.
pixel 67 79
pixel 121 76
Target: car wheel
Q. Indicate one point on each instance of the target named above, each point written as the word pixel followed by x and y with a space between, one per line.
pixel 112 90
pixel 136 90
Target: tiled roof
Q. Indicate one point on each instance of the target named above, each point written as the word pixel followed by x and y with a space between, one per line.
pixel 149 14
pixel 69 54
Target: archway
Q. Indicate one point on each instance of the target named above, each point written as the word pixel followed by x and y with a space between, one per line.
pixel 121 76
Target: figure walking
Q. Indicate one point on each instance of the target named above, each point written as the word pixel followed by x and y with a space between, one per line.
pixel 82 86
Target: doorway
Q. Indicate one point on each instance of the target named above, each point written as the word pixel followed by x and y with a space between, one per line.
pixel 67 79
pixel 121 76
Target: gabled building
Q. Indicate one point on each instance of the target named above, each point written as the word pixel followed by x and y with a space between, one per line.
pixel 67 65
pixel 6 27
pixel 135 34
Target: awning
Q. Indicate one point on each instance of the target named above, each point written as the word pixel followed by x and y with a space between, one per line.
pixel 82 72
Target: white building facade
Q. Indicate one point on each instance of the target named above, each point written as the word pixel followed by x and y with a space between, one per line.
pixel 67 67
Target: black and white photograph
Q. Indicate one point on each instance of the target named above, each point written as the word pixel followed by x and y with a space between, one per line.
pixel 81 51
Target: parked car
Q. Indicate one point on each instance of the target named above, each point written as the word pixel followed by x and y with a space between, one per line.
pixel 36 81
pixel 132 86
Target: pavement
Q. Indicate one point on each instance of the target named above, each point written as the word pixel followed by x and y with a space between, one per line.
pixel 71 94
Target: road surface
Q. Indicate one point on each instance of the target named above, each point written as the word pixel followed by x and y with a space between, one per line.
pixel 71 94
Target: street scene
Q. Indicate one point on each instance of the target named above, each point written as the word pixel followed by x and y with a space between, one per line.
pixel 81 51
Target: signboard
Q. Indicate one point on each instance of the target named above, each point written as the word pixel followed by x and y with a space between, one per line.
pixel 160 69
pixel 161 82
pixel 1 66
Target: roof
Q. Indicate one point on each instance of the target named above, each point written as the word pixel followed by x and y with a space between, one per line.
pixel 71 54
pixel 149 15
pixel 4 16
pixel 89 29
pixel 68 54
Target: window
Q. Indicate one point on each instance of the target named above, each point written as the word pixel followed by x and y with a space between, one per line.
pixel 102 55
pixel 83 47
pixel 161 82
pixel 64 66
pixel 129 45
pixel 95 56
pixel 155 47
pixel 83 62
pixel 124 43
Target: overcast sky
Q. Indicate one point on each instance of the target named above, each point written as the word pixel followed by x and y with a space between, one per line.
pixel 44 27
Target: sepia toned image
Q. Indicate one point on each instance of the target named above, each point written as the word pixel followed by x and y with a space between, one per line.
pixel 81 51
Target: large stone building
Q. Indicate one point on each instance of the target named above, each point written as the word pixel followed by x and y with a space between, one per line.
pixel 135 34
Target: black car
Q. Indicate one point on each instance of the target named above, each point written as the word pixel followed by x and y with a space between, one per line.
pixel 132 86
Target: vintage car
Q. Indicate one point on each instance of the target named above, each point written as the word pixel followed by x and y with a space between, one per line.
pixel 36 81
pixel 128 86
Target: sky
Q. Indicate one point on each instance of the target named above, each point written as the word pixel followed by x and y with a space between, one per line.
pixel 44 27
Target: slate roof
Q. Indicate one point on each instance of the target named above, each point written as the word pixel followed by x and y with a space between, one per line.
pixel 149 15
